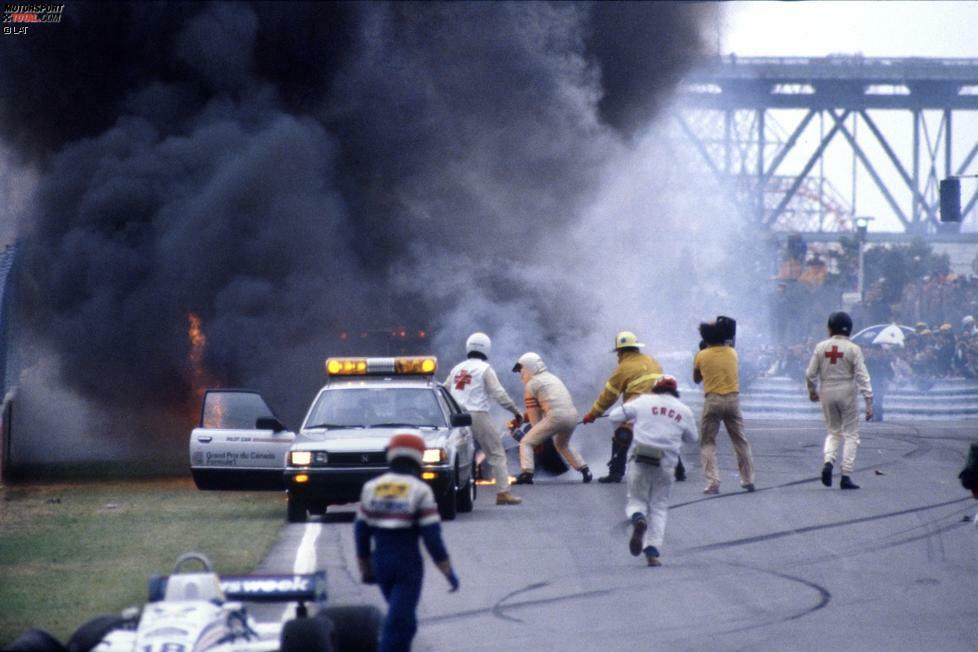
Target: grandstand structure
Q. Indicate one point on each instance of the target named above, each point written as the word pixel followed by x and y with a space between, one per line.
pixel 749 117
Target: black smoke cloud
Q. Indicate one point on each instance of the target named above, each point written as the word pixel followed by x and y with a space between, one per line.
pixel 288 171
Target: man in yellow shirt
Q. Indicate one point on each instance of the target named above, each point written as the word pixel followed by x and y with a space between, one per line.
pixel 716 367
pixel 635 374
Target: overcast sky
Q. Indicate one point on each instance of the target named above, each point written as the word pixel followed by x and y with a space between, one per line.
pixel 877 29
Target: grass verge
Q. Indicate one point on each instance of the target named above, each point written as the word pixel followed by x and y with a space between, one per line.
pixel 69 552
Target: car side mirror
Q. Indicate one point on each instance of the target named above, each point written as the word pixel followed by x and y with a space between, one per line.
pixel 461 420
pixel 269 423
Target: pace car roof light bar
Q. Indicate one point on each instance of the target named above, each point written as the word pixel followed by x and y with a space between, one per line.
pixel 401 366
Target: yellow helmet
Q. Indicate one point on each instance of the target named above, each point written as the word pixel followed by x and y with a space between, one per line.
pixel 626 340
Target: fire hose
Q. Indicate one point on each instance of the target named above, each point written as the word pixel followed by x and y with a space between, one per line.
pixel 545 453
pixel 602 416
pixel 518 429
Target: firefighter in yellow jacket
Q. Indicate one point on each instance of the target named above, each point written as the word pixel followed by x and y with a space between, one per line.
pixel 635 374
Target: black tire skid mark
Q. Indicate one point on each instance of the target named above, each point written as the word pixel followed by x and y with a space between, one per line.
pixel 792 483
pixel 501 606
pixel 935 544
pixel 914 435
pixel 856 551
pixel 499 609
pixel 913 438
pixel 920 446
pixel 933 521
pixel 814 528
pixel 824 597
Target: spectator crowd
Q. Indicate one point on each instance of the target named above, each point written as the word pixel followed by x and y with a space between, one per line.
pixel 928 353
pixel 907 285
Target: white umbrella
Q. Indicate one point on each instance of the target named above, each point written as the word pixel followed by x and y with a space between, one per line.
pixel 892 334
pixel 880 334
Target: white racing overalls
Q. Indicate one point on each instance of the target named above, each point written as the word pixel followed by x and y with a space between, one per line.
pixel 472 383
pixel 661 424
pixel 552 414
pixel 837 370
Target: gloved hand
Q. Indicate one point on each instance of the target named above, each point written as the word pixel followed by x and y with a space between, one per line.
pixel 453 580
pixel 813 396
pixel 588 418
pixel 517 420
pixel 869 411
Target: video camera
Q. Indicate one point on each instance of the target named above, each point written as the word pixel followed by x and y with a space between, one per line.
pixel 727 326
pixel 723 330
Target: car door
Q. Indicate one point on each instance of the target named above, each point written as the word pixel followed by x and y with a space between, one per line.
pixel 462 436
pixel 238 444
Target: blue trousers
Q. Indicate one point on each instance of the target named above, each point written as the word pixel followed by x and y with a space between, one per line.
pixel 399 577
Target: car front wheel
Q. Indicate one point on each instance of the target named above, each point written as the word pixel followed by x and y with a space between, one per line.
pixel 466 493
pixel 296 509
pixel 447 501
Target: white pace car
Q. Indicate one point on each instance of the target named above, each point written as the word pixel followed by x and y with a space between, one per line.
pixel 199 611
pixel 341 444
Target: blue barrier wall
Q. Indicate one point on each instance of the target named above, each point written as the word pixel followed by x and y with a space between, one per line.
pixel 777 398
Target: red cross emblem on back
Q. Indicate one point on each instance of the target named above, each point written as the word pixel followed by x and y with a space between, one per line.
pixel 462 379
pixel 834 354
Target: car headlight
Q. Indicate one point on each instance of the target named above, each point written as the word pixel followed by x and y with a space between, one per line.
pixel 300 458
pixel 319 458
pixel 434 456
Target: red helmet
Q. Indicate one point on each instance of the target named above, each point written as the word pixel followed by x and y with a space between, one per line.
pixel 666 384
pixel 406 444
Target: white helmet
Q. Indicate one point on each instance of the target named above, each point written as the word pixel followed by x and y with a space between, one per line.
pixel 531 362
pixel 478 343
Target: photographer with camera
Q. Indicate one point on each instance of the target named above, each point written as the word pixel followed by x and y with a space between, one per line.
pixel 716 367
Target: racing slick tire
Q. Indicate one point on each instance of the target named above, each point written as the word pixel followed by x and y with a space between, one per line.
pixel 548 459
pixel 465 496
pixel 356 628
pixel 296 509
pixel 89 635
pixel 447 501
pixel 35 640
pixel 308 635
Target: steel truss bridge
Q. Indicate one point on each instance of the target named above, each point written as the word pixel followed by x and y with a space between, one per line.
pixel 727 111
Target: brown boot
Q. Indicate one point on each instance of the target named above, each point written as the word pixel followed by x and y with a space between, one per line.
pixel 506 498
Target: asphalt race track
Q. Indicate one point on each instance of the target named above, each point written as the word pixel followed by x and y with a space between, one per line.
pixel 793 566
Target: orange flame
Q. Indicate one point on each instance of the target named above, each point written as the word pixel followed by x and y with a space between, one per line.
pixel 492 481
pixel 198 341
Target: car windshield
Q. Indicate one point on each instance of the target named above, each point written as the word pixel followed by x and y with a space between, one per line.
pixel 367 407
